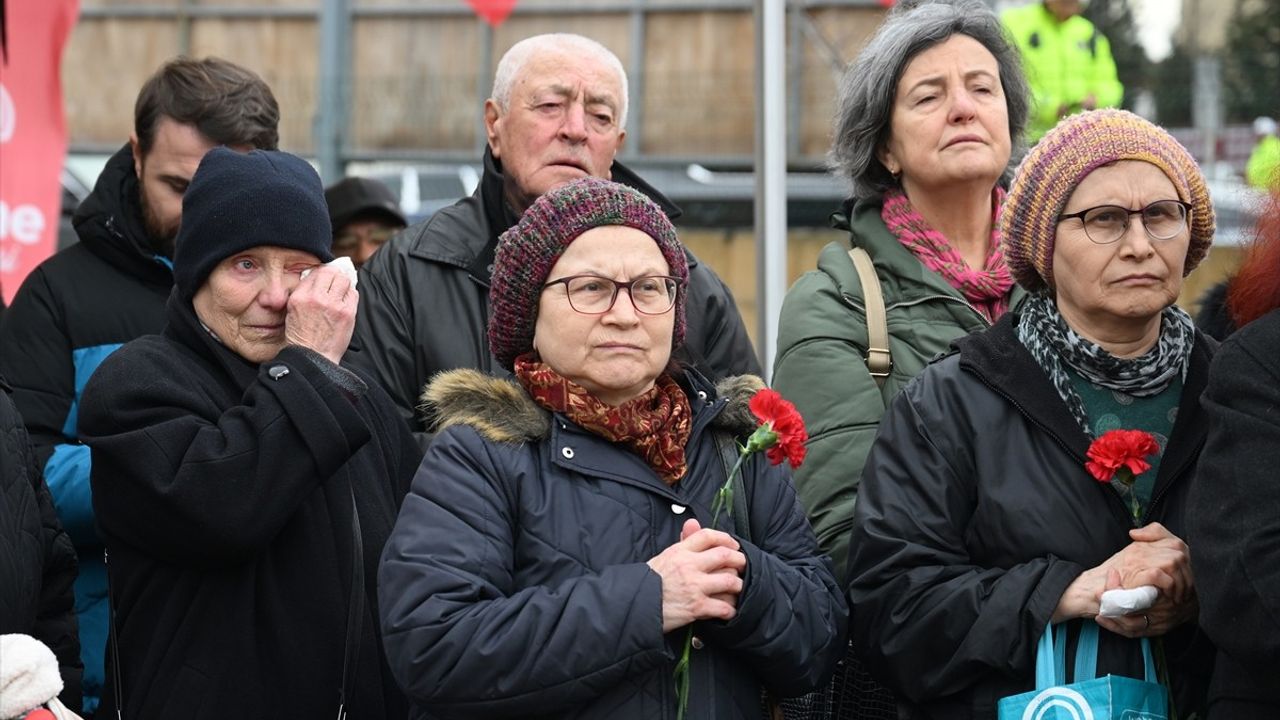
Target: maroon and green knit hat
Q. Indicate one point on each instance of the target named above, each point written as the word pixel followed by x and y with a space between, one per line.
pixel 527 252
pixel 1075 147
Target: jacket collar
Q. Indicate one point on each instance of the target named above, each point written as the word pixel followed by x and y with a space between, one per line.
pixel 501 411
pixel 109 222
pixel 1005 365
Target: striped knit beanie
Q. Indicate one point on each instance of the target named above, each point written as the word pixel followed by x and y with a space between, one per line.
pixel 527 252
pixel 1075 147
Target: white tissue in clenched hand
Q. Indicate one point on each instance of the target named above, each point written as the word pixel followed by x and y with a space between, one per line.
pixel 342 264
pixel 1124 602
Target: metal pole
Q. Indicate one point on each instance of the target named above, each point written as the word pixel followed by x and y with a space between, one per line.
pixel 329 126
pixel 770 174
pixel 635 85
pixel 484 83
pixel 795 73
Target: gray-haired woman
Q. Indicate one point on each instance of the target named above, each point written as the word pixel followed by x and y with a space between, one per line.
pixel 929 116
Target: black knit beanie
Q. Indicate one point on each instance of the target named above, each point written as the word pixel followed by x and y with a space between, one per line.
pixel 238 201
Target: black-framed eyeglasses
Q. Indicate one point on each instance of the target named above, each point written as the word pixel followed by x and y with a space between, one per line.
pixel 1105 224
pixel 595 295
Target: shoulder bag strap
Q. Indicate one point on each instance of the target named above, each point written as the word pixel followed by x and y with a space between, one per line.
pixel 879 360
pixel 355 611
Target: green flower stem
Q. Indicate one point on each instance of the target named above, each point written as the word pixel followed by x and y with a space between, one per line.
pixel 682 676
pixel 762 438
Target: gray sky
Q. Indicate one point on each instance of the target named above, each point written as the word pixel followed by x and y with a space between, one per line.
pixel 1156 20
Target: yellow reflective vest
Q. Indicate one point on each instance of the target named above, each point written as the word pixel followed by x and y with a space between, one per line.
pixel 1065 62
pixel 1263 170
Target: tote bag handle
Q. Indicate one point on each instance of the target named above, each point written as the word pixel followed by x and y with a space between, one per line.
pixel 1051 656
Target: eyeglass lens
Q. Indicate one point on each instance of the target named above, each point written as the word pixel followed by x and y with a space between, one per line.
pixel 650 295
pixel 1162 220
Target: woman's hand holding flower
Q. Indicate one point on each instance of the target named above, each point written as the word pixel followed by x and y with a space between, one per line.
pixel 701 576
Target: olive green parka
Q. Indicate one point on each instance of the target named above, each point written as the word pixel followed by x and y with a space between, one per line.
pixel 821 361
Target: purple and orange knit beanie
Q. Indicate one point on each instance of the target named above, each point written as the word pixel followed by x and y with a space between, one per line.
pixel 1075 147
pixel 527 252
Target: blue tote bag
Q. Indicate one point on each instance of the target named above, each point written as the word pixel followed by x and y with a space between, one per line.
pixel 1090 697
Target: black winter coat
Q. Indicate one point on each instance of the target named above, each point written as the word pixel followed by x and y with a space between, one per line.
pixel 975 514
pixel 424 299
pixel 73 310
pixel 515 582
pixel 37 561
pixel 1235 520
pixel 224 492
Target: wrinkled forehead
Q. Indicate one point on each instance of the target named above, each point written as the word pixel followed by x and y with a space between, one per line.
pixel 570 73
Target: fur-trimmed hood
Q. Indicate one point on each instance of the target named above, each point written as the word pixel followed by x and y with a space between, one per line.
pixel 501 411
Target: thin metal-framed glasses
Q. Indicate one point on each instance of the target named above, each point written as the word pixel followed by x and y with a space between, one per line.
pixel 595 295
pixel 1105 224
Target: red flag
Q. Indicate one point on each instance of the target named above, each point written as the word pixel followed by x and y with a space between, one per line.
pixel 33 134
pixel 493 11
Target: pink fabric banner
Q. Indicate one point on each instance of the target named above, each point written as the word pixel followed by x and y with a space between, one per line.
pixel 33 133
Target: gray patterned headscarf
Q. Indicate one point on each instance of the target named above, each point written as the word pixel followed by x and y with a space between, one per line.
pixel 1055 346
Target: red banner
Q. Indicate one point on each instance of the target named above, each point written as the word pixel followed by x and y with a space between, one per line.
pixel 33 133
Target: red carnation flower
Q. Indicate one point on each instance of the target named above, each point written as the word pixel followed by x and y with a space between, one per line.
pixel 1118 457
pixel 781 432
pixel 1117 449
pixel 779 418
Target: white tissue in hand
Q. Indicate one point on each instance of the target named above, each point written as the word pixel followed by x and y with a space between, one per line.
pixel 1126 602
pixel 342 264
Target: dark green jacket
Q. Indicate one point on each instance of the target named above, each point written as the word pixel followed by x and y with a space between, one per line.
pixel 821 367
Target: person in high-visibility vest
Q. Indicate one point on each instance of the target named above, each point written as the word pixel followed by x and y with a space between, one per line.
pixel 1067 60
pixel 1263 168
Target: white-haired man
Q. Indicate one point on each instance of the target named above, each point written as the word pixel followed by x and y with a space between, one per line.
pixel 558 112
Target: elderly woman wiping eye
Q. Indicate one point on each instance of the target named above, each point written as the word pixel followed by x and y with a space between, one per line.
pixel 244 479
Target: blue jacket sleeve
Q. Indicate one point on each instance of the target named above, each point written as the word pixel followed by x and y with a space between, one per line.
pixel 461 639
pixel 37 358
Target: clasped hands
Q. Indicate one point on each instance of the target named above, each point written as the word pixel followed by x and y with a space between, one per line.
pixel 701 576
pixel 1155 557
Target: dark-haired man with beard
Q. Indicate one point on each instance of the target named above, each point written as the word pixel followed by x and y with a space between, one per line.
pixel 86 301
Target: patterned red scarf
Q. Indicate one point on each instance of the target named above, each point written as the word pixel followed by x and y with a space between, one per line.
pixel 986 289
pixel 655 425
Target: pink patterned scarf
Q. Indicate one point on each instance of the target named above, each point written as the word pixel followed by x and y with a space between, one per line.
pixel 986 289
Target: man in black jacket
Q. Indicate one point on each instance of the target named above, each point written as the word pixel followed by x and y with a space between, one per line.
pixel 558 113
pixel 83 303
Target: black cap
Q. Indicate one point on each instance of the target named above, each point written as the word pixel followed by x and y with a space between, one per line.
pixel 355 196
pixel 237 201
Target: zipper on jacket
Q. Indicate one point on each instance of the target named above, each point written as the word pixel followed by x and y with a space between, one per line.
pixel 1146 516
pixel 1048 431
